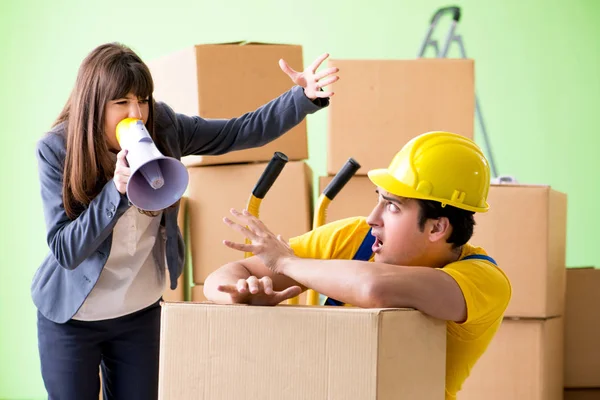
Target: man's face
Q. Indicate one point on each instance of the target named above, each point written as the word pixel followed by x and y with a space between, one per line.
pixel 395 225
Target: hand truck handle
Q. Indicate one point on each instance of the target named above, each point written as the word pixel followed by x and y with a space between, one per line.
pixel 341 178
pixel 445 10
pixel 269 175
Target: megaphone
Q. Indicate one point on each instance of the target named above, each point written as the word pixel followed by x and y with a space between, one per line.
pixel 156 181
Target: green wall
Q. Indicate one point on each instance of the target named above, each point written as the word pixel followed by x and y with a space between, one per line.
pixel 537 66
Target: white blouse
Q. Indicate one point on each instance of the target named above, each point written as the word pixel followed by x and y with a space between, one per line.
pixel 130 280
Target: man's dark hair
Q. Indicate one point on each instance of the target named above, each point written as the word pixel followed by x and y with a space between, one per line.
pixel 462 221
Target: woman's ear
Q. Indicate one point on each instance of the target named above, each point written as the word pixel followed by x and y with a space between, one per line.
pixel 439 229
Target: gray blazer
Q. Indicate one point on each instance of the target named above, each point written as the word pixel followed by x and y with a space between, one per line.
pixel 78 249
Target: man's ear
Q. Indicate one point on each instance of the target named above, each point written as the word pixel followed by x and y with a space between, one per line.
pixel 439 229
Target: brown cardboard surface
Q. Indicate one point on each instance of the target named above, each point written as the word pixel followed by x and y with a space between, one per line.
pixel 379 105
pixel 357 198
pixel 523 361
pixel 582 394
pixel 227 81
pixel 525 232
pixel 582 328
pixel 179 293
pixel 214 190
pixel 222 352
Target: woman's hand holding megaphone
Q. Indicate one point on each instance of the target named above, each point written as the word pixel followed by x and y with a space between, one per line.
pixel 122 172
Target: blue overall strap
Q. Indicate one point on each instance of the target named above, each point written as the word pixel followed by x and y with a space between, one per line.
pixel 480 257
pixel 363 253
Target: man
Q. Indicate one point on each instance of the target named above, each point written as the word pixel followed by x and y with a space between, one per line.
pixel 412 251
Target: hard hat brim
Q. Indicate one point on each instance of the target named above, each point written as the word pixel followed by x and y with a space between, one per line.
pixel 383 179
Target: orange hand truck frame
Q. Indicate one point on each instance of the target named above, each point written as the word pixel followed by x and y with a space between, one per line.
pixel 320 216
pixel 263 185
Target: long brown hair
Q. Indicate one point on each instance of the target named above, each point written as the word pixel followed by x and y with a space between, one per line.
pixel 109 72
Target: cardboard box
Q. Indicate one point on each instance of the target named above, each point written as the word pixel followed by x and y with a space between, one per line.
pixel 523 361
pixel 220 352
pixel 382 104
pixel 214 190
pixel 179 293
pixel 525 232
pixel 357 198
pixel 582 328
pixel 582 394
pixel 227 81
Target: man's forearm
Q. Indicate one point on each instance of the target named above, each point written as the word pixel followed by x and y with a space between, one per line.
pixel 352 282
pixel 228 274
pixel 377 285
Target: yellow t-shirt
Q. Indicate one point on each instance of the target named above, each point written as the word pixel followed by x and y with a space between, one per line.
pixel 485 287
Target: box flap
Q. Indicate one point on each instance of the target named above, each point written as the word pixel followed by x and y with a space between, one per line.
pixel 245 43
pixel 522 185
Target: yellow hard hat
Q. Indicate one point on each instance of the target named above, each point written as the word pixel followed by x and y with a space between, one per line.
pixel 438 166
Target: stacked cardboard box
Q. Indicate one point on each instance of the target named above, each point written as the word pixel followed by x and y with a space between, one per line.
pixel 214 190
pixel 225 81
pixel 382 104
pixel 379 106
pixel 582 330
pixel 525 232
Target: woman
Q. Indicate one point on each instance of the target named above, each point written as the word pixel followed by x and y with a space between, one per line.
pixel 97 290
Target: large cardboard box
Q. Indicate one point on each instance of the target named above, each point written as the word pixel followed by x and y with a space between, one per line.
pixel 214 190
pixel 524 361
pixel 525 232
pixel 227 81
pixel 219 352
pixel 382 104
pixel 582 328
pixel 179 293
pixel 582 394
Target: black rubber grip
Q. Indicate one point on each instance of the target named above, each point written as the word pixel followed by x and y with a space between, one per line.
pixel 269 175
pixel 341 178
pixel 445 10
